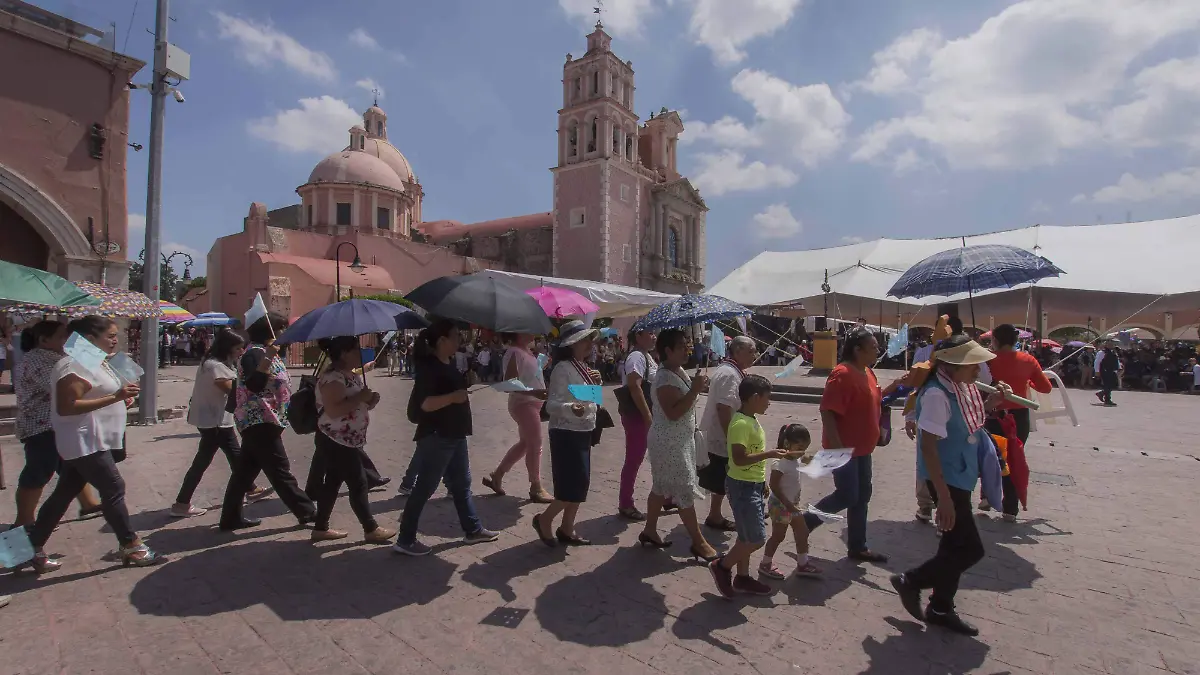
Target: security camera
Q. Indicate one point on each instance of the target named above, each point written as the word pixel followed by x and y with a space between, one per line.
pixel 177 94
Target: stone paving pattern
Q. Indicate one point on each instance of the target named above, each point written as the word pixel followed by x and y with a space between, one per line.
pixel 1098 577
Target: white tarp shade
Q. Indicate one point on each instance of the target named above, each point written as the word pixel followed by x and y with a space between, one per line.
pixel 614 301
pixel 1150 258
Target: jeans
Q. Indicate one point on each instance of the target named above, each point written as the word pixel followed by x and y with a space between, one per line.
pixel 958 550
pixel 435 458
pixel 851 493
pixel 318 471
pixel 342 465
pixel 262 450
pixel 100 470
pixel 636 435
pixel 211 440
pixel 747 502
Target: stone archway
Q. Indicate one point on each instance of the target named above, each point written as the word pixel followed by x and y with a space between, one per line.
pixel 63 237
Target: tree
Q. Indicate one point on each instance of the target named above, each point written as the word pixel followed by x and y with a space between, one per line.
pixel 387 297
pixel 168 283
pixel 198 282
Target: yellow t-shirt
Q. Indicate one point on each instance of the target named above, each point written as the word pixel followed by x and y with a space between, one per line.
pixel 745 430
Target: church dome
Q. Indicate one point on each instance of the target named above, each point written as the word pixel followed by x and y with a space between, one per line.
pixel 356 166
pixel 391 156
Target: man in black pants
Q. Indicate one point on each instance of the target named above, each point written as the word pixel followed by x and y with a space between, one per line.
pixel 1108 367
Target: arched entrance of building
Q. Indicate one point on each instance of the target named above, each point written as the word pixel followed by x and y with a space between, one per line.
pixel 40 231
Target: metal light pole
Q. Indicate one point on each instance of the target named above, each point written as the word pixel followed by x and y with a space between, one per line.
pixel 148 406
pixel 357 266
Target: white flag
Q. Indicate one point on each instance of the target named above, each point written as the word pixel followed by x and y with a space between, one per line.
pixel 258 309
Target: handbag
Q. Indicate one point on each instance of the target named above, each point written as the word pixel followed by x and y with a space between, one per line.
pixel 604 421
pixel 885 427
pixel 626 406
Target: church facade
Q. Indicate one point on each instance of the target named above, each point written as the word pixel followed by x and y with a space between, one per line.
pixel 621 213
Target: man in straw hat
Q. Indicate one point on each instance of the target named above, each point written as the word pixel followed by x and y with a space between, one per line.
pixel 950 417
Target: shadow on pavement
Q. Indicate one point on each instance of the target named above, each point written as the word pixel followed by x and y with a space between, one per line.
pixel 909 544
pixel 918 650
pixel 295 579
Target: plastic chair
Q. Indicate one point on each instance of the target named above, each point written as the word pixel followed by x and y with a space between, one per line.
pixel 1049 412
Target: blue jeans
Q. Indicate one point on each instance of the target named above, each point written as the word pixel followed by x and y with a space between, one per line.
pixel 851 493
pixel 746 503
pixel 435 458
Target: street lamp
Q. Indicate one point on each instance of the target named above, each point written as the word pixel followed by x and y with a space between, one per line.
pixel 825 290
pixel 356 265
pixel 166 261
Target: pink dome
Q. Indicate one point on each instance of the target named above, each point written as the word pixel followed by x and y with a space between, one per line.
pixel 356 167
pixel 391 156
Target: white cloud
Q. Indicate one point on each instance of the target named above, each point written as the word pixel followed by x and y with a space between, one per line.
pixel 726 26
pixel 318 125
pixel 260 44
pixel 135 232
pixel 730 172
pixel 359 37
pixel 851 239
pixel 1039 206
pixel 777 222
pixel 370 86
pixel 804 124
pixel 620 17
pixel 1174 185
pixel 1040 78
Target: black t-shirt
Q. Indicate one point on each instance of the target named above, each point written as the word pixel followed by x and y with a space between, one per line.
pixel 434 378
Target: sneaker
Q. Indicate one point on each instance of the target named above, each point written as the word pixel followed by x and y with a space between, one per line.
pixel 910 596
pixel 722 577
pixel 808 571
pixel 950 621
pixel 186 511
pixel 770 571
pixel 482 536
pixel 924 515
pixel 259 494
pixel 328 535
pixel 751 586
pixel 415 549
pixel 1010 518
pixel 984 506
pixel 404 491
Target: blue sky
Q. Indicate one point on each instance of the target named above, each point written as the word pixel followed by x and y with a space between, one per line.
pixel 810 123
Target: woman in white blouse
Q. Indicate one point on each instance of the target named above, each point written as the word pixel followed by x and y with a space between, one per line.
pixel 525 409
pixel 571 424
pixel 88 416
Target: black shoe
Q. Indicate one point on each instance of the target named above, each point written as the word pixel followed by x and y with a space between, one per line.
pixel 384 480
pixel 240 524
pixel 867 555
pixel 910 596
pixel 950 621
pixel 563 538
pixel 307 520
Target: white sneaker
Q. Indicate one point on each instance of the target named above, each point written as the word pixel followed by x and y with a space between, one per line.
pixel 190 512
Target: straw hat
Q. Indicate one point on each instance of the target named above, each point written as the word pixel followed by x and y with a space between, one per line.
pixel 573 331
pixel 967 354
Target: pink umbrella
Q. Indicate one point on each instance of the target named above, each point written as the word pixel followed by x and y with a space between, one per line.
pixel 1022 334
pixel 560 302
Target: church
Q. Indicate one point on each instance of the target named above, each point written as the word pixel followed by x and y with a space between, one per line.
pixel 620 213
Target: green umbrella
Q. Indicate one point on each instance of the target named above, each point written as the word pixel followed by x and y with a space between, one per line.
pixel 29 286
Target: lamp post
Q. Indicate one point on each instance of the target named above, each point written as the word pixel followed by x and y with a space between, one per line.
pixel 356 265
pixel 825 290
pixel 166 261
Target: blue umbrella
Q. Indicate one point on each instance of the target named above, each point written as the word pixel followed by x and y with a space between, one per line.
pixel 973 268
pixel 348 317
pixel 689 310
pixel 210 319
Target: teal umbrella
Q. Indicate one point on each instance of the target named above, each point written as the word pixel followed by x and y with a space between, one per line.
pixel 28 286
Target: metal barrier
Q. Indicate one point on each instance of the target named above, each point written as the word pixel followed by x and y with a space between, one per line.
pixel 1049 412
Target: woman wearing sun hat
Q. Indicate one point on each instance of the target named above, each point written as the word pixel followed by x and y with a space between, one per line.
pixel 950 418
pixel 571 425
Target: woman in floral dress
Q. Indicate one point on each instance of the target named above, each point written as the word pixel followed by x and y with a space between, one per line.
pixel 672 445
pixel 345 403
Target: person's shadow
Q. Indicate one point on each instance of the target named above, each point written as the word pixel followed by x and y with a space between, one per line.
pixel 295 579
pixel 910 543
pixel 920 650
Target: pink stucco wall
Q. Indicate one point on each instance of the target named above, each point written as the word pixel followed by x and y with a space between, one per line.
pixel 47 107
pixel 622 226
pixel 579 248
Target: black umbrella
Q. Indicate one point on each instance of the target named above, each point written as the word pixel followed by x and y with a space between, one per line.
pixel 482 301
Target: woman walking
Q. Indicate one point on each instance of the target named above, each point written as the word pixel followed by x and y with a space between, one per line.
pixel 525 409
pixel 345 403
pixel 442 413
pixel 42 345
pixel 208 413
pixel 262 393
pixel 571 425
pixel 637 377
pixel 88 415
pixel 672 444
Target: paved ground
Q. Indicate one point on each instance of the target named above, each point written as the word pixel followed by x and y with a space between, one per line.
pixel 1099 577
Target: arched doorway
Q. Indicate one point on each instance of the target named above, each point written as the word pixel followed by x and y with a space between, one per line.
pixel 45 236
pixel 23 244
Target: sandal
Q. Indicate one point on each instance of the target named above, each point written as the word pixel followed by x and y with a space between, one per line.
pixel 724 525
pixel 630 513
pixel 808 570
pixel 540 496
pixel 40 563
pixel 770 571
pixel 492 484
pixel 140 556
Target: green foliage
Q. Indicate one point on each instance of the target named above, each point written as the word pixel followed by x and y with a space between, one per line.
pixel 387 297
pixel 168 282
pixel 198 282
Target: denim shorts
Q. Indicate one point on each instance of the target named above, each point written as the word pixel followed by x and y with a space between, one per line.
pixel 746 501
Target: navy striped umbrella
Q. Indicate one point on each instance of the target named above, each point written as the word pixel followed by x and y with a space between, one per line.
pixel 690 310
pixel 972 268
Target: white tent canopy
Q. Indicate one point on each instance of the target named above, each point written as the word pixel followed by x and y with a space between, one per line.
pixel 615 301
pixel 1151 258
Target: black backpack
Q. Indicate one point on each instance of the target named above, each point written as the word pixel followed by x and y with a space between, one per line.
pixel 302 410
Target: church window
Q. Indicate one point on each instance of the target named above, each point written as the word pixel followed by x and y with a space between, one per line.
pixel 629 147
pixel 578 89
pixel 362 142
pixel 591 146
pixel 616 141
pixel 383 218
pixel 626 253
pixel 673 247
pixel 343 213
pixel 596 83
pixel 310 220
pixel 378 127
pixel 573 140
pixel 578 217
pixel 624 193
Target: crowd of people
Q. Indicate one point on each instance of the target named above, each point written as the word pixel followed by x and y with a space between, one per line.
pixel 71 419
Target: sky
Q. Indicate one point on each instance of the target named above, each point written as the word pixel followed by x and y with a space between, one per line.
pixel 809 123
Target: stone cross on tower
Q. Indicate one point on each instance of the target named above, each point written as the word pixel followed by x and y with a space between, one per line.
pixel 375 94
pixel 598 10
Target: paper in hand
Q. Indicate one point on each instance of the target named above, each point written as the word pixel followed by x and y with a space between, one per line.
pixel 86 354
pixel 791 368
pixel 126 368
pixel 542 359
pixel 825 517
pixel 511 386
pixel 587 393
pixel 825 461
pixel 15 548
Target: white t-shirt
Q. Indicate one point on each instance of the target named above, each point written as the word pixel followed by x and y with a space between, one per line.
pixel 935 412
pixel 207 410
pixel 460 361
pixel 640 363
pixel 922 354
pixel 89 433
pixel 1196 375
pixel 722 389
pixel 789 480
pixel 485 357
